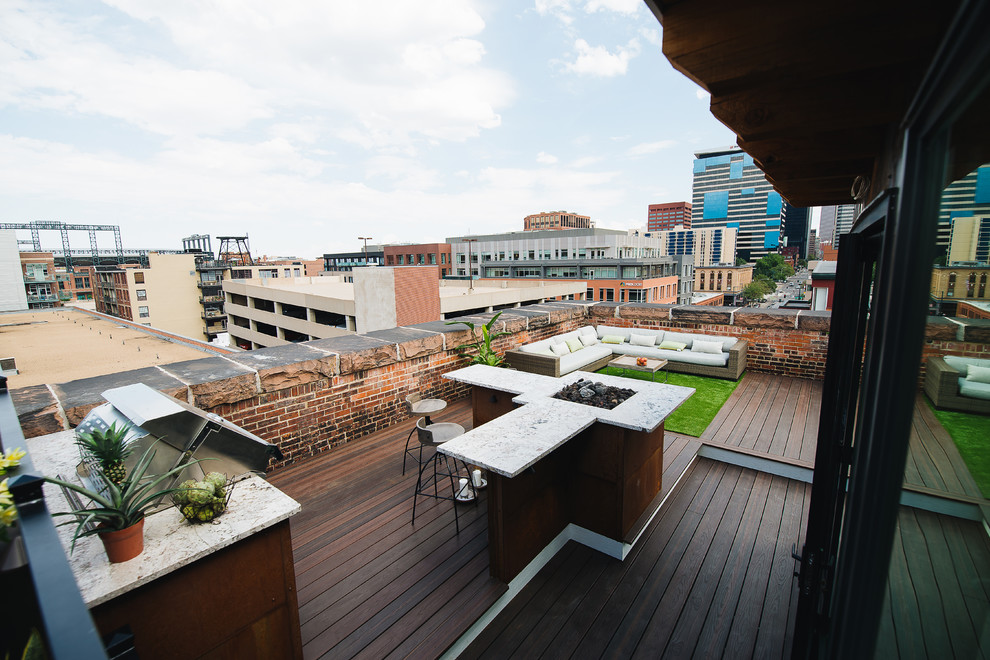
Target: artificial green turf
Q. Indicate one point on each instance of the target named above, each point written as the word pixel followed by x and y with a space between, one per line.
pixel 971 433
pixel 695 414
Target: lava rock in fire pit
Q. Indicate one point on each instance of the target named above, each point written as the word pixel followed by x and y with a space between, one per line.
pixel 594 394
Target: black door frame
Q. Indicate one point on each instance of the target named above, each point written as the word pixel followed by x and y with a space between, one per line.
pixel 845 562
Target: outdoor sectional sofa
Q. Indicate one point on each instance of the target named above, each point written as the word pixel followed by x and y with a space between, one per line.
pixel 951 384
pixel 702 355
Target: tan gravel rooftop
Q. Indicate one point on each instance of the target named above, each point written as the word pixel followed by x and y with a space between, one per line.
pixel 57 346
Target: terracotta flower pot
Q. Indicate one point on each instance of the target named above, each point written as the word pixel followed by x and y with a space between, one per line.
pixel 124 544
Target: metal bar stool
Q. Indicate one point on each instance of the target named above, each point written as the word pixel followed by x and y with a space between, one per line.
pixel 431 436
pixel 417 405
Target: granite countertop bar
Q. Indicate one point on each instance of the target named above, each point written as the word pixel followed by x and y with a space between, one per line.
pixel 509 444
pixel 170 541
pixel 503 380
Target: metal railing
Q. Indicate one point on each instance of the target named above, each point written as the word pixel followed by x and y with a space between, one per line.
pixel 64 621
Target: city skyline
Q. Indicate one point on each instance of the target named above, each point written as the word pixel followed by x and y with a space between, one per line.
pixel 305 126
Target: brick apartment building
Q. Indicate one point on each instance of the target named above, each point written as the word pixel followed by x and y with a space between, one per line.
pixel 421 254
pixel 664 217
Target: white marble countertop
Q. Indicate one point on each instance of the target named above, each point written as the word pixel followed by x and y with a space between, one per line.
pixel 503 380
pixel 509 444
pixel 170 541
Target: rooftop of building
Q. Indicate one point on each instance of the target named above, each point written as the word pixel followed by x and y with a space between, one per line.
pixel 64 344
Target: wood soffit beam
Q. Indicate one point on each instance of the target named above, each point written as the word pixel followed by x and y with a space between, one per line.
pixel 810 89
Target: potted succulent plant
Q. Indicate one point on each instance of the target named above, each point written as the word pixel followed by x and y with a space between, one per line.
pixel 119 511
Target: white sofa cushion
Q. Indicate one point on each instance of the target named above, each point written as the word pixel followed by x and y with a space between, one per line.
pixel 974 390
pixel 560 348
pixel 960 363
pixel 978 374
pixel 705 346
pixel 536 346
pixel 639 339
pixel 584 357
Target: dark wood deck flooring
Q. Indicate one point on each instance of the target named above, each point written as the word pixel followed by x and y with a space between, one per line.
pixel 711 576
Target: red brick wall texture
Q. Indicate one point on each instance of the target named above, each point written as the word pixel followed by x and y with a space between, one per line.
pixel 311 407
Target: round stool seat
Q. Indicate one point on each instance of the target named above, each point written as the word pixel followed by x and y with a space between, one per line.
pixel 438 432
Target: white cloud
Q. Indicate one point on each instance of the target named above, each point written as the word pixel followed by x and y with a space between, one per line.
pixel 645 148
pixel 586 161
pixel 545 158
pixel 598 61
pixel 628 7
pixel 390 72
pixel 701 94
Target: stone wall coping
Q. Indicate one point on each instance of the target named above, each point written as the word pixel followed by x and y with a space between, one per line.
pixel 214 381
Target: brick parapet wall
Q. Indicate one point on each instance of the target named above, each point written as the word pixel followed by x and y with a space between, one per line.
pixel 310 397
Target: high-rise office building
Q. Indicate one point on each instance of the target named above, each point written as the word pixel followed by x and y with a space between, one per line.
pixel 731 191
pixel 797 223
pixel 968 197
pixel 835 221
pixel 664 217
pixel 970 240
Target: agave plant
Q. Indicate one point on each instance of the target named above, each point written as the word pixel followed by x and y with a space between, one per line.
pixel 484 354
pixel 123 505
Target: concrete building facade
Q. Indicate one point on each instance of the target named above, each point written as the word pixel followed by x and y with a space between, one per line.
pixel 40 280
pixel 13 293
pixel 279 311
pixel 708 247
pixel 967 197
pixel 969 241
pixel 556 220
pixel 617 265
pixel 728 280
pixel 667 216
pixel 729 190
pixel 168 295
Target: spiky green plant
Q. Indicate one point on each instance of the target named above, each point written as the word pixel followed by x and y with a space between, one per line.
pixel 125 504
pixel 108 449
pixel 484 354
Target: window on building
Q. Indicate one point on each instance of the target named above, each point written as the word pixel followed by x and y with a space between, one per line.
pixel 719 281
pixel 422 259
pixel 610 295
pixel 143 312
pixel 142 294
pixel 139 278
pixel 637 295
pixel 970 285
pixel 983 286
pixel 728 281
pixel 711 281
pixel 589 294
pixel 951 290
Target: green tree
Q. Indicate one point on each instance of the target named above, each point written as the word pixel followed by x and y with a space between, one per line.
pixel 773 267
pixel 802 263
pixel 754 291
pixel 740 261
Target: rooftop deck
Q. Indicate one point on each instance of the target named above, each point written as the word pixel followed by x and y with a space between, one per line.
pixel 712 572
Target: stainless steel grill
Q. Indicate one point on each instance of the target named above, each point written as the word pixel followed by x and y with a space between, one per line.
pixel 182 432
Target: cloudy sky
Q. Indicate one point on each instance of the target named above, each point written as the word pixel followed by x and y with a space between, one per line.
pixel 307 124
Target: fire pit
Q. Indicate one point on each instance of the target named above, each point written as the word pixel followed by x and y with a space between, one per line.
pixel 595 394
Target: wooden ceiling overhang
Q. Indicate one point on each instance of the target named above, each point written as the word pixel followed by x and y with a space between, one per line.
pixel 814 91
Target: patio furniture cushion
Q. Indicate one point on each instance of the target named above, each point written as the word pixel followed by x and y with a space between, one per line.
pixel 978 374
pixel 578 360
pixel 574 344
pixel 973 389
pixel 637 339
pixel 669 345
pixel 560 349
pixel 702 346
pixel 613 339
pixel 589 340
